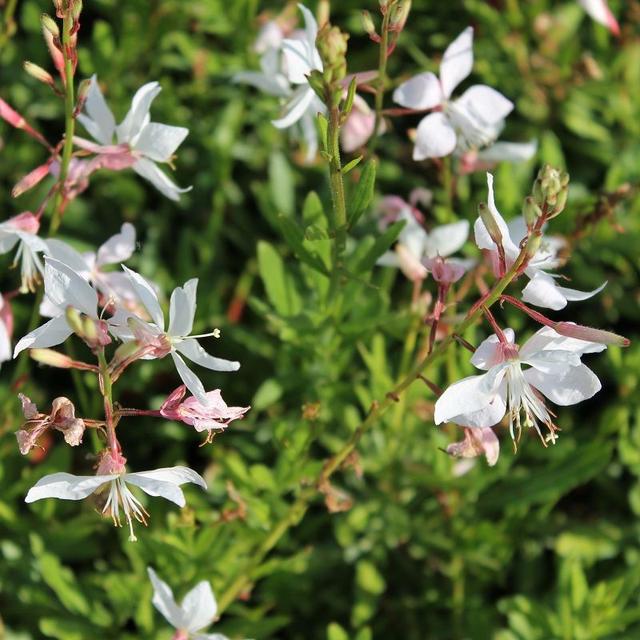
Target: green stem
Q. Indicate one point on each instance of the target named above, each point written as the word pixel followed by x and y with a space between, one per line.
pixel 8 23
pixel 107 393
pixel 382 76
pixel 299 507
pixel 69 124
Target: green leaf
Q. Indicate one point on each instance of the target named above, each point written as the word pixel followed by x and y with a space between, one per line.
pixel 295 239
pixel 381 244
pixel 268 393
pixel 281 183
pixel 336 632
pixel 351 165
pixel 278 284
pixel 62 581
pixel 363 194
pixel 369 579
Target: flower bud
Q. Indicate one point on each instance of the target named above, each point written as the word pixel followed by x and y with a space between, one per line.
pixel 550 190
pixel 332 47
pixel 83 90
pixel 74 320
pixel 50 25
pixel 38 73
pixel 590 334
pixel 490 223
pixel 531 211
pixel 51 358
pixel 399 14
pixel 76 9
pixel 367 23
pixel 533 245
pixel 96 333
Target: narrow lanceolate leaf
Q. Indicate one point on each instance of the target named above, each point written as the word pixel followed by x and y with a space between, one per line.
pixel 294 236
pixel 381 245
pixel 279 285
pixel 324 131
pixel 363 194
pixel 351 165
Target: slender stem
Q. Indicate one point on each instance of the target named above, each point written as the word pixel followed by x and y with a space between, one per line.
pixel 69 124
pixel 107 393
pixel 8 23
pixel 382 76
pixel 299 507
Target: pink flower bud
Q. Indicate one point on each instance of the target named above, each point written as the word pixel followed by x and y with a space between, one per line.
pixel 16 120
pixel 31 179
pixel 572 330
pixel 111 463
pixel 444 271
pixel 37 72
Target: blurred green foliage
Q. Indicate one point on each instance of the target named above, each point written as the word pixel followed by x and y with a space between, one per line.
pixel 544 545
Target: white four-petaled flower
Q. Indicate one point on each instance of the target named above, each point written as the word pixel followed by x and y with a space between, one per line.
pixel 600 12
pixel 196 612
pixel 471 122
pixel 145 142
pixel 555 371
pixel 176 339
pixel 542 289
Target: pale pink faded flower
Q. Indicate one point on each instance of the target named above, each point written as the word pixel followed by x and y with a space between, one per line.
pixel 6 329
pixel 359 126
pixel 62 418
pixel 600 12
pixel 213 416
pixel 197 610
pixel 164 483
pixel 477 442
pixel 555 371
pixel 23 231
pixel 446 271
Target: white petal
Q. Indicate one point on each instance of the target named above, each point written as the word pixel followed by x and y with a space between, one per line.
pixel 68 255
pixel 117 286
pixel 542 291
pixel 164 601
pixel 49 334
pixel 485 103
pixel 457 61
pixel 297 64
pixel 488 354
pixel 420 92
pixel 119 247
pixel 165 482
pixel 199 607
pixel 295 107
pixel 182 309
pixel 413 236
pixel 465 396
pixel 600 12
pixel 138 115
pixel 482 237
pixel 5 343
pixel 65 486
pixel 64 287
pixel 311 34
pixel 192 349
pixel 189 378
pixel 571 386
pixel 388 259
pixel 148 170
pixel 548 339
pixel 99 121
pixel 552 361
pixel 446 239
pixel 275 85
pixel 435 137
pixel 147 295
pixel 210 636
pixel 573 295
pixel 159 141
pixel 509 152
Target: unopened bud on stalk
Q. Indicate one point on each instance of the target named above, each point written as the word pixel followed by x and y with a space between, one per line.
pixel 399 14
pixel 531 211
pixel 93 331
pixel 316 82
pixel 367 23
pixel 490 223
pixel 332 46
pixel 51 358
pixel 76 9
pixel 50 25
pixel 38 73
pixel 550 190
pixel 533 245
pixel 83 90
pixel 60 7
pixel 74 320
pixel 590 334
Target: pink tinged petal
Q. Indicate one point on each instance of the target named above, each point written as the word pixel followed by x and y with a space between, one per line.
pixel 119 247
pixel 189 378
pixel 99 121
pixel 600 12
pixel 446 239
pixel 490 444
pixel 149 171
pixel 199 607
pixel 569 386
pixel 445 271
pixel 357 130
pixel 485 103
pixel 509 152
pixel 165 483
pixel 599 337
pixel 410 264
pixel 172 401
pixel 182 309
pixel 64 287
pixel 66 486
pixel 147 295
pixel 457 62
pixel 421 92
pixel 5 343
pixel 49 334
pixel 164 601
pixel 489 353
pixel 465 396
pixel 192 350
pixel 160 141
pixel 295 108
pixel 435 137
pixel 138 115
pixel 31 179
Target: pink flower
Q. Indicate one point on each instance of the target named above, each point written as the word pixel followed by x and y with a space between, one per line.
pixel 6 329
pixel 359 126
pixel 214 416
pixel 446 270
pixel 476 443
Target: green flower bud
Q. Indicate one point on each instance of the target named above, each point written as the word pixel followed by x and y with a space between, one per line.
pixel 332 46
pixel 531 211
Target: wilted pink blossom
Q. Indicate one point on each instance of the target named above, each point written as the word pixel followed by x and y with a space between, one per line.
pixel 446 270
pixel 358 127
pixel 477 442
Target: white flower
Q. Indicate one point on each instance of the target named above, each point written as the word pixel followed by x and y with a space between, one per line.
pixel 472 121
pixel 64 288
pixel 148 142
pixel 555 371
pixel 22 230
pixel 600 12
pixel 6 329
pixel 113 285
pixel 542 290
pixel 415 244
pixel 197 610
pixel 159 482
pixel 175 340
